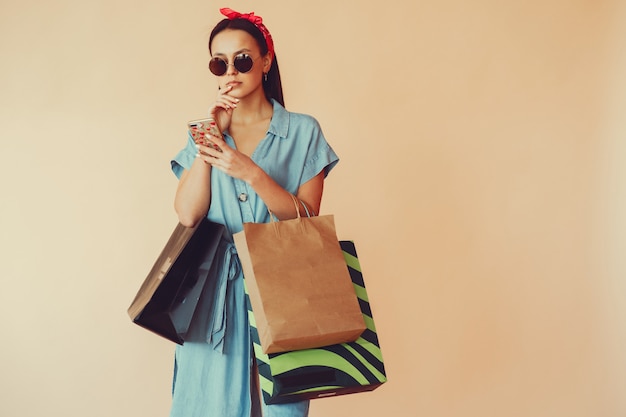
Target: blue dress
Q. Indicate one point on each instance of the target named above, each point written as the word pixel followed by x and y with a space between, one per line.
pixel 212 373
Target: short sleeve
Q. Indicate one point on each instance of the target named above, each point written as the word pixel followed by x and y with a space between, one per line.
pixel 320 156
pixel 184 159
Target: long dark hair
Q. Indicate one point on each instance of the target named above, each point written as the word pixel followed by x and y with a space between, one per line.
pixel 272 87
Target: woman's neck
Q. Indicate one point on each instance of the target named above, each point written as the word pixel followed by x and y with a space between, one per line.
pixel 252 109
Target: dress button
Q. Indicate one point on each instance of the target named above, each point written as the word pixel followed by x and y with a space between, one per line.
pixel 243 197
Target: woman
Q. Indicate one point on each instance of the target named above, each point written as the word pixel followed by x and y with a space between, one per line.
pixel 266 155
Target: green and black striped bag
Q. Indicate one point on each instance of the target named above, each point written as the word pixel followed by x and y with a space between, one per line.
pixel 340 369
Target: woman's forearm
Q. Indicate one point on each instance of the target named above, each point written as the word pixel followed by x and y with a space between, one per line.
pixel 193 195
pixel 280 201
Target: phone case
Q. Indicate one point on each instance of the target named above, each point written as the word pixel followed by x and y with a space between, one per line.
pixel 200 130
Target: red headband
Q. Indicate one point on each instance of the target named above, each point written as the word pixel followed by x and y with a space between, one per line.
pixel 256 20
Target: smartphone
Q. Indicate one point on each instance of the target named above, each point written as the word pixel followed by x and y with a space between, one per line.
pixel 200 130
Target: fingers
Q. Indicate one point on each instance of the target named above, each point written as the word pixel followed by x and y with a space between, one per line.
pixel 218 109
pixel 216 142
pixel 202 141
pixel 227 160
pixel 216 159
pixel 224 101
pixel 209 154
pixel 210 142
pixel 213 149
pixel 227 100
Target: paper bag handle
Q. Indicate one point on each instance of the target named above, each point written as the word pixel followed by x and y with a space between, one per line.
pixel 296 202
pixel 306 209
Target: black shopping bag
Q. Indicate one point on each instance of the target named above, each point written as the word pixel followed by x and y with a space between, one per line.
pixel 166 301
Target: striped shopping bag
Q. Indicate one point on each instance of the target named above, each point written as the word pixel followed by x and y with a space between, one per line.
pixel 339 369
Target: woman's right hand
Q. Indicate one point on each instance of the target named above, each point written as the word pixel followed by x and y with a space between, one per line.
pixel 222 109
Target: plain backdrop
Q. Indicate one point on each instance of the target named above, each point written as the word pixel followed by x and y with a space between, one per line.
pixel 481 178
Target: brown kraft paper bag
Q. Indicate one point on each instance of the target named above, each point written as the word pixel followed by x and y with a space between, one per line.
pixel 299 285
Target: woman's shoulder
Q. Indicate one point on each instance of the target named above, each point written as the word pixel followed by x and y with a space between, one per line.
pixel 303 120
pixel 304 117
pixel 294 117
pixel 294 124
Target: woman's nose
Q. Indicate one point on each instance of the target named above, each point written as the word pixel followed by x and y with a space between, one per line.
pixel 230 68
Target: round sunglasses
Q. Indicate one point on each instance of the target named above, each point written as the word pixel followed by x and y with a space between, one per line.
pixel 242 63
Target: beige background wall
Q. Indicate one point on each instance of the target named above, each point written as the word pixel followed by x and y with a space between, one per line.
pixel 482 179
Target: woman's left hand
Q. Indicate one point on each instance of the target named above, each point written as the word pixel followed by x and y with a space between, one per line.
pixel 226 159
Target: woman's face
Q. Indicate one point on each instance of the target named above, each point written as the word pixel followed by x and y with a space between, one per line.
pixel 227 45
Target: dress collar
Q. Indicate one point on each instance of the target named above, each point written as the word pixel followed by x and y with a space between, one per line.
pixel 279 124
